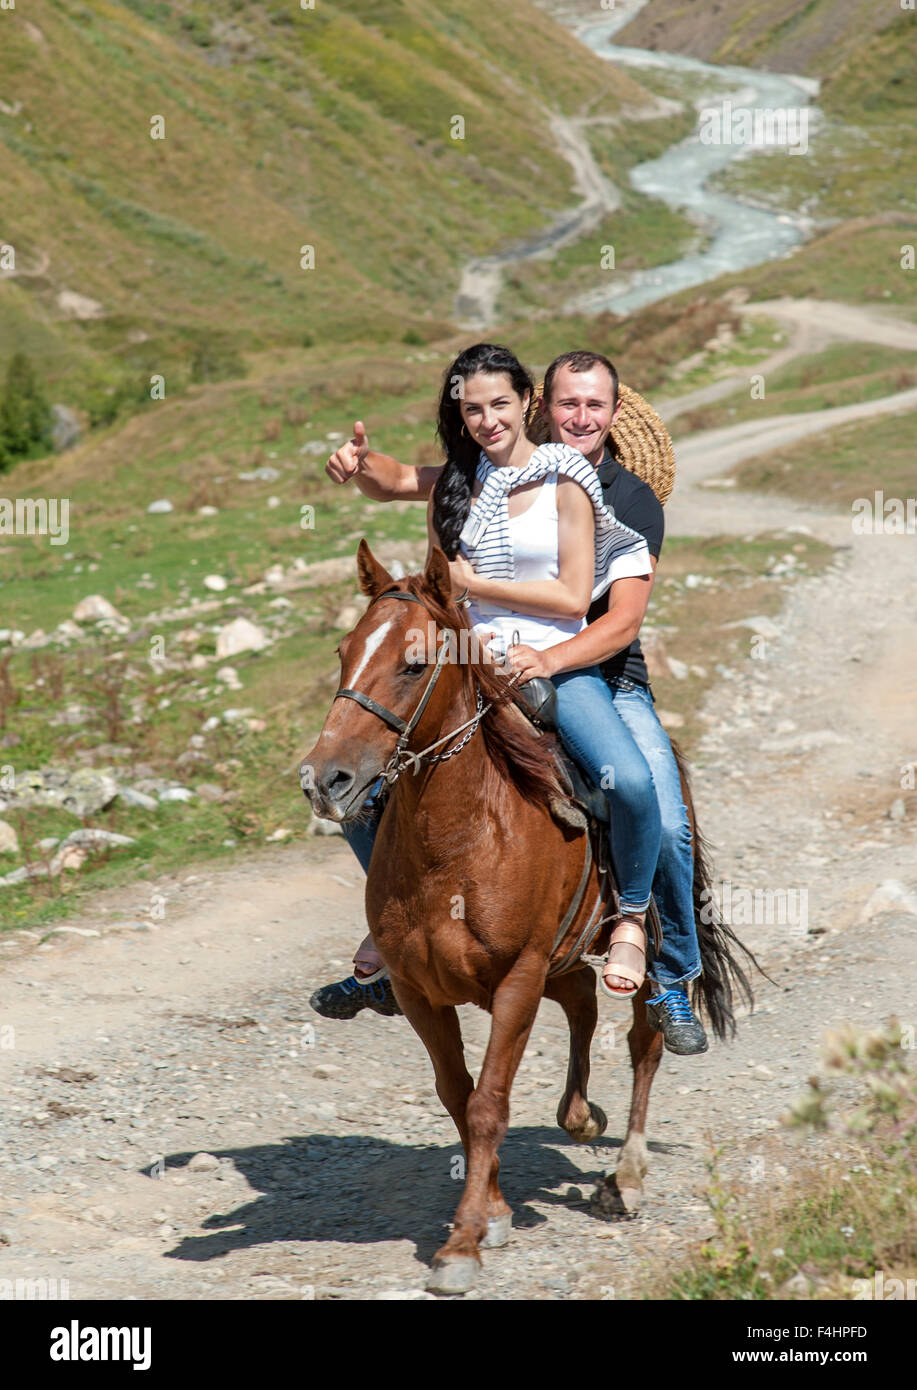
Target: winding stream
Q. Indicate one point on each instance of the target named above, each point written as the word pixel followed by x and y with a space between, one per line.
pixel 738 235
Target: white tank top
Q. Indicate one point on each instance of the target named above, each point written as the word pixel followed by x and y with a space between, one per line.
pixel 533 535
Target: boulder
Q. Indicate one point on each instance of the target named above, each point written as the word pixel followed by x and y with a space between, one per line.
pixel 66 428
pixel 83 793
pixel 94 608
pixel 160 506
pixel 240 636
pixel 9 840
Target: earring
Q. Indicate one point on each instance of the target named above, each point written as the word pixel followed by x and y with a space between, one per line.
pixel 464 432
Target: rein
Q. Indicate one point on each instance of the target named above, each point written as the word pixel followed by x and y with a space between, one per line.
pixel 402 757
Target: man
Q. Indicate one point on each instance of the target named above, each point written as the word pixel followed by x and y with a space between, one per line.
pixel 580 403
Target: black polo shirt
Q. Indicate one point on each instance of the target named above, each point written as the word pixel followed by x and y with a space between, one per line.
pixel 635 504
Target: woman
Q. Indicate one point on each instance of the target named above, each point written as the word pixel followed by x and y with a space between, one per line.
pixel 529 537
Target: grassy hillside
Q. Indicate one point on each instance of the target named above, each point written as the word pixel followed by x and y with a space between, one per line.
pixel 284 127
pixel 805 36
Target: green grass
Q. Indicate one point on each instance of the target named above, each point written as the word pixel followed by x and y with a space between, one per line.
pixel 849 1206
pixel 841 465
pixel 841 375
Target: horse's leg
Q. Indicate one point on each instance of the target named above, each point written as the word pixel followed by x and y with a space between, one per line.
pixel 623 1192
pixel 575 992
pixel 440 1032
pixel 515 1004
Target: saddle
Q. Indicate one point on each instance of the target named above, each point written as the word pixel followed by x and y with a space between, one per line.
pixel 540 698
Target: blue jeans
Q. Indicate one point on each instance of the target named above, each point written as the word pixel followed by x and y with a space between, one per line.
pixel 594 733
pixel 632 706
pixel 679 960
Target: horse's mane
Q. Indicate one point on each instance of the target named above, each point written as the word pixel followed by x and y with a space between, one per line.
pixel 517 753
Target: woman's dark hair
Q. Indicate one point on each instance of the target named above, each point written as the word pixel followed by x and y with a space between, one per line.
pixel 452 492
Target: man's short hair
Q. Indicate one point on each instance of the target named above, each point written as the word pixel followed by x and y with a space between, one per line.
pixel 580 362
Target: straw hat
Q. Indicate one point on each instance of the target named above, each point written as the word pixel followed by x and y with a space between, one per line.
pixel 639 439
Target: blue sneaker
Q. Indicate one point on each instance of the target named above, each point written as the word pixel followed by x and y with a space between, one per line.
pixel 347 997
pixel 671 1014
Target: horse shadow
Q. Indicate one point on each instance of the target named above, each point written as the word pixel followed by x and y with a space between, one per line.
pixel 362 1189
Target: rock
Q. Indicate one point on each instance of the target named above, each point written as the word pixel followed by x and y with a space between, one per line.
pixel 256 726
pixel 315 447
pixel 233 716
pixel 66 427
pixel 800 1286
pixel 203 1163
pixel 326 1071
pixel 216 582
pixel 79 306
pixel 71 715
pixel 898 809
pixel 273 503
pixel 160 507
pixel 763 627
pixel 679 669
pixel 9 840
pixel 46 1162
pixel 131 797
pixel 94 608
pixel 654 653
pixel 209 791
pixel 890 896
pixel 208 511
pixel 68 628
pixel 83 793
pixel 264 474
pixel 669 719
pixel 229 677
pixel 348 617
pixel 281 833
pixel 274 575
pixel 90 838
pixel 176 794
pixel 240 636
pixel 36 639
pixel 71 857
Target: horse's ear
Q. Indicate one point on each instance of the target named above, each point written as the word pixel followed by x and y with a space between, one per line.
pixel 437 577
pixel 373 576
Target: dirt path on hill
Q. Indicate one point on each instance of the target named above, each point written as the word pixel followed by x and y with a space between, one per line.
pixel 130 1043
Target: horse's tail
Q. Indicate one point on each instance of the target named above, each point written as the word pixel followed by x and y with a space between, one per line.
pixel 720 948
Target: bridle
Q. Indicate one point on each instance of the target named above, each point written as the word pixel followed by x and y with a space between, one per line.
pixel 402 757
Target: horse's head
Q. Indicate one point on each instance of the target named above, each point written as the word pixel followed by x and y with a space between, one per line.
pixel 388 662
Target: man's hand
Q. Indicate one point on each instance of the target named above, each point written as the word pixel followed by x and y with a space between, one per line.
pixel 529 662
pixel 350 459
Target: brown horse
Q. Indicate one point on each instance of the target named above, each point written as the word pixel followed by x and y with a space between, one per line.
pixel 472 874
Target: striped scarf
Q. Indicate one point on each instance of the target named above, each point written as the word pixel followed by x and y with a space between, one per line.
pixel 619 551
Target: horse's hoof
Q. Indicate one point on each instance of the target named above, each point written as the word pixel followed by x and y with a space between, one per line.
pixel 610 1199
pixel 457 1275
pixel 499 1230
pixel 590 1129
pixel 631 1199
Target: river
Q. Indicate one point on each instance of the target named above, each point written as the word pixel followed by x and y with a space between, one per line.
pixel 737 234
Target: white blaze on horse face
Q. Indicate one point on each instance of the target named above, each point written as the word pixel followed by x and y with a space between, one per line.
pixel 373 643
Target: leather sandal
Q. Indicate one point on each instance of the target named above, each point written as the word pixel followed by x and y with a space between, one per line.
pixel 627 932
